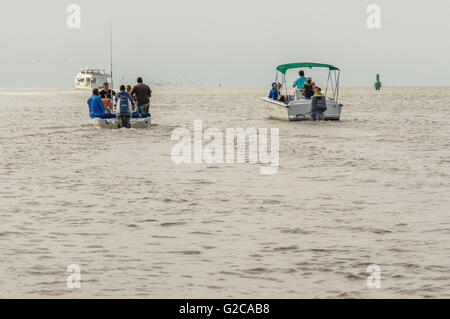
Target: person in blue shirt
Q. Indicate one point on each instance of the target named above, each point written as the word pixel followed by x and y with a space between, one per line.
pixel 300 82
pixel 124 104
pixel 274 93
pixel 96 106
pixel 125 95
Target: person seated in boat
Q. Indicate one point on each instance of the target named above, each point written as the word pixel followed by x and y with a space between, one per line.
pixel 124 105
pixel 318 91
pixel 96 106
pixel 281 98
pixel 308 90
pixel 274 93
pixel 300 82
pixel 107 95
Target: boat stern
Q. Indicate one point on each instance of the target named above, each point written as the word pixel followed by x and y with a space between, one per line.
pixel 299 110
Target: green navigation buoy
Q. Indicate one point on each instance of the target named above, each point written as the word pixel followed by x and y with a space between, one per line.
pixel 378 83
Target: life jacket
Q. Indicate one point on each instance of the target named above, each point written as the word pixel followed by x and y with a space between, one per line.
pixel 123 105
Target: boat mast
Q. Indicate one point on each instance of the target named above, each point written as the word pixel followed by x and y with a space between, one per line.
pixel 111 53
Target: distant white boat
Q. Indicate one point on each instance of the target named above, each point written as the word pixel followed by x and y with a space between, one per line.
pixel 91 78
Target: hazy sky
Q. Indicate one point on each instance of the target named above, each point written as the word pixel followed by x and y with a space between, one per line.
pixel 233 42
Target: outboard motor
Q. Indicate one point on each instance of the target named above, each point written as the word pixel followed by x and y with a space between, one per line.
pixel 123 112
pixel 318 107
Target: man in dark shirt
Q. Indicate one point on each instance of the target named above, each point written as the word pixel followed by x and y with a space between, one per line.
pixel 106 93
pixel 143 94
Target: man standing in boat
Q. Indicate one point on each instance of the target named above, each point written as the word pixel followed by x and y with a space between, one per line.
pixel 300 82
pixel 143 94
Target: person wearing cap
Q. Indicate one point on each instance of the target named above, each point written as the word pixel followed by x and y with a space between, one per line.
pixel 274 92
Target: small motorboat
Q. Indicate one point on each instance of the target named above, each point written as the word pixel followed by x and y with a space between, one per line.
pixel 297 107
pixel 110 120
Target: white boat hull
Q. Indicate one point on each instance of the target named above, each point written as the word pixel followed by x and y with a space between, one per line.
pixel 299 110
pixel 112 123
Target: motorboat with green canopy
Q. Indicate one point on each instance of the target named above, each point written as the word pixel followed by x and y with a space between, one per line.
pixel 296 107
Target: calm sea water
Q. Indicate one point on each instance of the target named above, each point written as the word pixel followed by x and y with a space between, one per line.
pixel 371 189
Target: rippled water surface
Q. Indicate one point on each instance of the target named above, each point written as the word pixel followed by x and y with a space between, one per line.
pixel 371 189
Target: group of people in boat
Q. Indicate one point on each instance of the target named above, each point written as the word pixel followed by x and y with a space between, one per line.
pixel 306 86
pixel 130 102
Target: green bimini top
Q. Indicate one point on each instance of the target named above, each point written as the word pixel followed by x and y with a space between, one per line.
pixel 284 67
